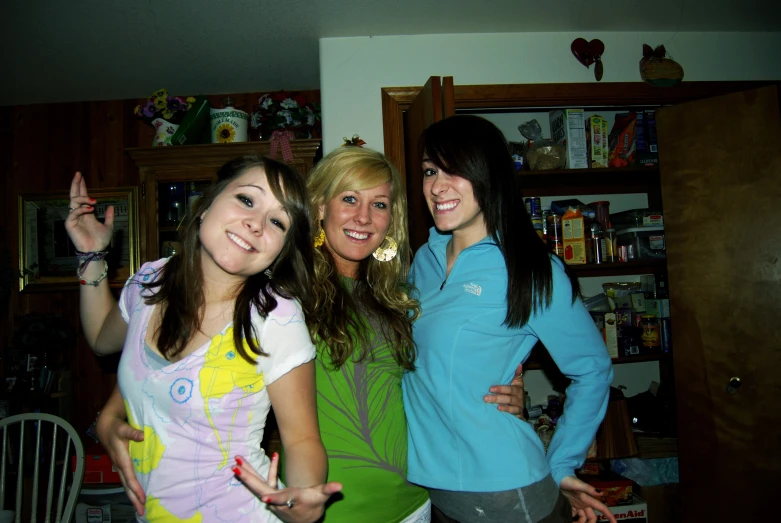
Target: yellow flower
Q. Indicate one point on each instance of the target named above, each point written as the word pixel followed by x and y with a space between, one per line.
pixel 167 114
pixel 190 100
pixel 225 133
pixel 160 102
pixel 162 93
pixel 137 110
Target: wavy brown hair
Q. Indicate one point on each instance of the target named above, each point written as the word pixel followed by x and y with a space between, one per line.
pixel 382 288
pixel 180 286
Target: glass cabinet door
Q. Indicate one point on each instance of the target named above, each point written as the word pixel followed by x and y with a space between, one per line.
pixel 175 201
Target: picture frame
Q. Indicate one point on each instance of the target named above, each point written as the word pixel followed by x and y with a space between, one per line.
pixel 46 255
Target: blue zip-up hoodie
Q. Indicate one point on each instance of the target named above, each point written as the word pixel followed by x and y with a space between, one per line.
pixel 456 440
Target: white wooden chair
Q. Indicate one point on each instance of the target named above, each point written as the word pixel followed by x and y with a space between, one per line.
pixel 55 442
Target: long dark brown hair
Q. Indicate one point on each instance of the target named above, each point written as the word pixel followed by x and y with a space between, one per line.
pixel 180 286
pixel 476 150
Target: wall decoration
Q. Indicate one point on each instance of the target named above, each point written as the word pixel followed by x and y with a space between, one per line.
pixel 46 254
pixel 589 53
pixel 658 68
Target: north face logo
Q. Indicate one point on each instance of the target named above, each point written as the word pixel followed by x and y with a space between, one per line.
pixel 473 288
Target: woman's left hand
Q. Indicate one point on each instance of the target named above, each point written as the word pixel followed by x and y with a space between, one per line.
pixel 293 505
pixel 584 500
pixel 510 398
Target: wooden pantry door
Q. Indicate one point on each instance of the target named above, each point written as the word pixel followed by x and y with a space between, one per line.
pixel 434 102
pixel 721 190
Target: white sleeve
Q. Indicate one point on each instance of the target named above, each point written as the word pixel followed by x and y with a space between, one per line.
pixel 284 336
pixel 131 298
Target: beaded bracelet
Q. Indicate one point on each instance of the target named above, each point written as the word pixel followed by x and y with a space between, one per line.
pixel 94 283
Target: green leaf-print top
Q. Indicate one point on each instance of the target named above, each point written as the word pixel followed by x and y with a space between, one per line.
pixel 364 431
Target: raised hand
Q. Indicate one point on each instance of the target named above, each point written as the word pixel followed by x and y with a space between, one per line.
pixel 510 398
pixel 584 500
pixel 85 231
pixel 292 505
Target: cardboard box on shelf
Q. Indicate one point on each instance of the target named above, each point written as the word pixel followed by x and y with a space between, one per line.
pixel 648 155
pixel 568 127
pixel 574 238
pixel 616 489
pixel 637 512
pixel 596 141
pixel 659 307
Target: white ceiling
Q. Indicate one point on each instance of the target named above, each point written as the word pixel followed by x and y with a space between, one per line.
pixel 74 50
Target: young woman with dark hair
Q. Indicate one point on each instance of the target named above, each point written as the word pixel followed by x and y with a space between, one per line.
pixel 211 339
pixel 489 291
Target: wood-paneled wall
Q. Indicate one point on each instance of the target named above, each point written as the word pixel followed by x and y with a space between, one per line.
pixel 41 146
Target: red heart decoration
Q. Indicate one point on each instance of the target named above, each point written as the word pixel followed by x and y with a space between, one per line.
pixel 587 52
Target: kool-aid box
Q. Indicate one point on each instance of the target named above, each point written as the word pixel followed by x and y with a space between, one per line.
pixel 637 512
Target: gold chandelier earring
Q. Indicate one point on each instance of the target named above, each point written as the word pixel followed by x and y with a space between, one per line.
pixel 387 250
pixel 319 237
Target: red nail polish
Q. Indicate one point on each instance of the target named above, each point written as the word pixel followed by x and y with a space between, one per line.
pixel 266 500
pixel 275 456
pixel 238 460
pixel 237 471
pixel 92 200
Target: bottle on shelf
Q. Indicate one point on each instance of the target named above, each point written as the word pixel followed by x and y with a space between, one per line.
pixel 598 243
pixel 611 254
pixel 192 197
pixel 176 205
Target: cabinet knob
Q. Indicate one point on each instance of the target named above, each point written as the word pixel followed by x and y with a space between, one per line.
pixel 733 385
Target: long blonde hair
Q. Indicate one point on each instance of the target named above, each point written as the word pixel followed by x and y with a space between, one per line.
pixel 382 287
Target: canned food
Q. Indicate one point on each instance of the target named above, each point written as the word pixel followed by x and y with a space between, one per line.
pixel 651 336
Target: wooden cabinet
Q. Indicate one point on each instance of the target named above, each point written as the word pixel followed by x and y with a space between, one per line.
pixel 169 173
pixel 718 179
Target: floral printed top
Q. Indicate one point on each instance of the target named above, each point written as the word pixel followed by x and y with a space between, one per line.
pixel 200 412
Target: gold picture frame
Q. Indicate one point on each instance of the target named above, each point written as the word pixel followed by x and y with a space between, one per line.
pixel 46 258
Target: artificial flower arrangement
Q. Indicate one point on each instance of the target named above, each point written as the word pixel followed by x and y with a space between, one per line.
pixel 286 111
pixel 161 105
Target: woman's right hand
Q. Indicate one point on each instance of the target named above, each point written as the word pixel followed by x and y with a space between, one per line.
pixel 85 231
pixel 306 505
pixel 115 434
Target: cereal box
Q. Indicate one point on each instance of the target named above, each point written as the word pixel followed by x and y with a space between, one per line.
pixel 596 141
pixel 568 127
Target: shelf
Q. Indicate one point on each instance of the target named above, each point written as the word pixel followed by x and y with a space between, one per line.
pixel 656 446
pixel 535 364
pixel 561 182
pixel 643 357
pixel 649 266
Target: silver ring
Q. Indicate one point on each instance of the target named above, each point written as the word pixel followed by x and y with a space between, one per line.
pixel 290 503
pixel 70 210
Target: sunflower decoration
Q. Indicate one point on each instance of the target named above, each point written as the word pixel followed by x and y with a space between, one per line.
pixel 226 133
